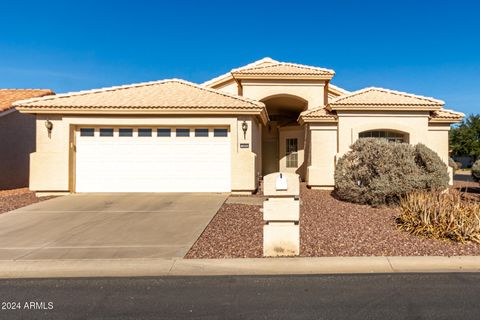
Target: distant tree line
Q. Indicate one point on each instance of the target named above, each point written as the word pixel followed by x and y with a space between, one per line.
pixel 465 138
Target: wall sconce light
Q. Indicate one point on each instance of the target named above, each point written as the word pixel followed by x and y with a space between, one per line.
pixel 49 126
pixel 244 128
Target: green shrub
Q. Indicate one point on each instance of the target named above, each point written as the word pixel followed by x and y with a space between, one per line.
pixel 434 171
pixel 453 164
pixel 379 172
pixel 440 215
pixel 476 170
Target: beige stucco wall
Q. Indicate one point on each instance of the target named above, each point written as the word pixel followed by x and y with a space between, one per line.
pixel 350 124
pixel 329 142
pixel 17 141
pixel 257 147
pixel 322 154
pixel 52 165
pixel 230 86
pixel 437 140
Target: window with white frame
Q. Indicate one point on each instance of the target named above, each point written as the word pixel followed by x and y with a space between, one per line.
pixel 144 132
pixel 291 153
pixel 87 132
pixel 180 132
pixel 201 132
pixel 125 132
pixel 164 132
pixel 106 132
pixel 220 132
pixel 391 136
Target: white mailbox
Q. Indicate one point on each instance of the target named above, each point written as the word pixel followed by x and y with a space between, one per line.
pixel 281 182
pixel 281 213
pixel 288 183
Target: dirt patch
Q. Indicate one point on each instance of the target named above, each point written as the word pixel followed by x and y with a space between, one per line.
pixel 18 198
pixel 328 227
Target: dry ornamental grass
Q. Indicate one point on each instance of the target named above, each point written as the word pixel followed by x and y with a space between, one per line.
pixel 446 215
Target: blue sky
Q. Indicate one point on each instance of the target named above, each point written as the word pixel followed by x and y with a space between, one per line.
pixel 425 47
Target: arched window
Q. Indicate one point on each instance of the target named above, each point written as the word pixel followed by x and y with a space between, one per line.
pixel 392 136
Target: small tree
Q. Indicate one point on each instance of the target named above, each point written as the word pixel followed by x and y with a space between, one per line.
pixel 465 138
pixel 379 172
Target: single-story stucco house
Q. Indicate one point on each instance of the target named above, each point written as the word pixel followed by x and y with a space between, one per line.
pixel 17 137
pixel 222 135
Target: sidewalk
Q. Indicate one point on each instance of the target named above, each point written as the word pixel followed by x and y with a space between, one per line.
pixel 215 267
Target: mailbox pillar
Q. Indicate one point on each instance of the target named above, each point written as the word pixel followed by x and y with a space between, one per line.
pixel 281 213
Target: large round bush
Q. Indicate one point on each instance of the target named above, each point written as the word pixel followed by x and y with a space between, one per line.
pixel 476 170
pixel 379 172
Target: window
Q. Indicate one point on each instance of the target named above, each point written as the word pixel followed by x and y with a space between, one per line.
pixel 143 132
pixel 124 132
pixel 292 153
pixel 183 132
pixel 87 132
pixel 201 132
pixel 163 132
pixel 220 132
pixel 391 136
pixel 106 132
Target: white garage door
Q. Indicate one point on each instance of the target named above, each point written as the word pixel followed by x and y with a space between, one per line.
pixel 153 159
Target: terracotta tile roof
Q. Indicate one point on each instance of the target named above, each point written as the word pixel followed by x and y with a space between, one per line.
pixel 283 69
pixel 446 116
pixel 228 76
pixel 268 67
pixel 336 91
pixel 384 99
pixel 171 96
pixel 320 114
pixel 9 96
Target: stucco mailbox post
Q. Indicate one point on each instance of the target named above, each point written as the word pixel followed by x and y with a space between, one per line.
pixel 281 212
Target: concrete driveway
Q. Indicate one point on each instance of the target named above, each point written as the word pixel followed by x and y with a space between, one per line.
pixel 107 226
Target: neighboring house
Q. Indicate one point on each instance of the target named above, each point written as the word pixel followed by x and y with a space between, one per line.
pixel 17 137
pixel 221 136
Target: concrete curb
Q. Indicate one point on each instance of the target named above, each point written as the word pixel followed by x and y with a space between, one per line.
pixel 213 267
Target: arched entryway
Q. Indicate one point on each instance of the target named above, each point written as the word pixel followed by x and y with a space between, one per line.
pixel 283 138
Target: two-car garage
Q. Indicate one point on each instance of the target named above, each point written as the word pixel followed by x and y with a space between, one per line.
pixel 152 159
pixel 160 136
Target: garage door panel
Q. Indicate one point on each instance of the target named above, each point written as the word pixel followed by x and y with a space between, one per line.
pixel 151 164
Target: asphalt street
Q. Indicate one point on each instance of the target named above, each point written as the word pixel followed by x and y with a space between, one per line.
pixel 379 296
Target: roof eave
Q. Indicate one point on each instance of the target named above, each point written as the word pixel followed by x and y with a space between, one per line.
pixel 7 112
pixel 445 121
pixel 260 112
pixel 305 119
pixel 218 81
pixel 382 107
pixel 281 77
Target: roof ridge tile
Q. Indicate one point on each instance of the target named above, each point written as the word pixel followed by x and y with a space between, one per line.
pixel 225 75
pixel 296 65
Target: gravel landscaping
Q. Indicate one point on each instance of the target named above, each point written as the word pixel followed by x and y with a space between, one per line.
pixel 236 231
pixel 17 198
pixel 328 227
